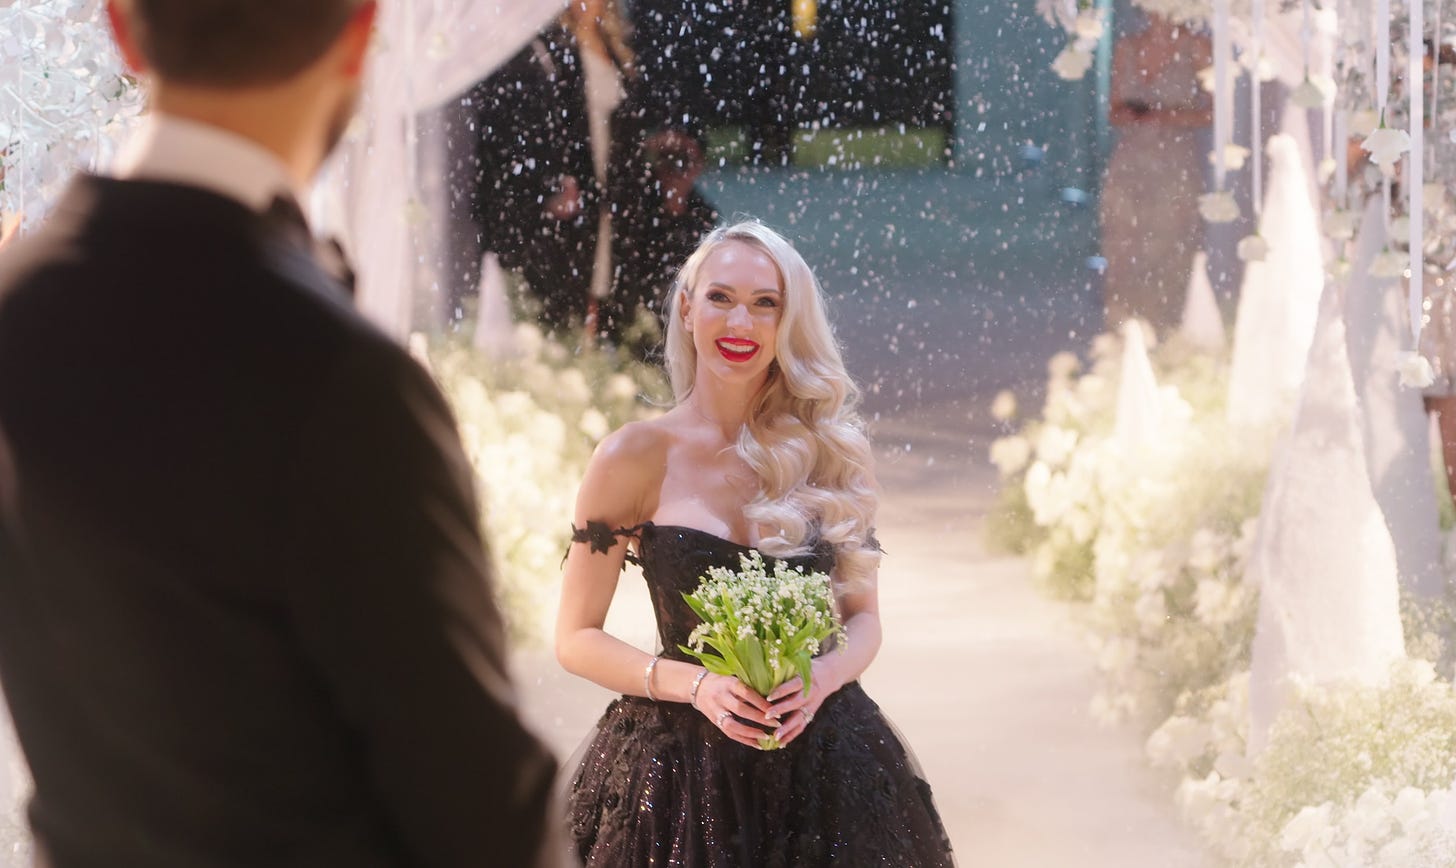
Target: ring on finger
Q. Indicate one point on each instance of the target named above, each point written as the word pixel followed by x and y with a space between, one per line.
pixel 722 718
pixel 808 715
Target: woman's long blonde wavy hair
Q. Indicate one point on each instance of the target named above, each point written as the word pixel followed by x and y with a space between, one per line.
pixel 803 438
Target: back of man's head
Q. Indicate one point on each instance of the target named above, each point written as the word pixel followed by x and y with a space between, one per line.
pixel 235 43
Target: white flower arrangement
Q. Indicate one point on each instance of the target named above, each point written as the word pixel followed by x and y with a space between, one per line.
pixel 529 426
pixel 1234 156
pixel 1389 264
pixel 762 627
pixel 1341 225
pixel 1218 207
pixel 1003 406
pixel 1072 63
pixel 1085 27
pixel 1385 146
pixel 1313 93
pixel 1414 370
pixel 1253 248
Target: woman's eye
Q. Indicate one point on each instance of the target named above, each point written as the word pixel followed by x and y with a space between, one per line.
pixel 716 296
pixel 767 302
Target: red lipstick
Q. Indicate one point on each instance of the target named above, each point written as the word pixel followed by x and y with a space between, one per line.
pixel 737 349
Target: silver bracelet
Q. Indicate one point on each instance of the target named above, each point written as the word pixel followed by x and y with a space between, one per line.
pixel 647 677
pixel 693 693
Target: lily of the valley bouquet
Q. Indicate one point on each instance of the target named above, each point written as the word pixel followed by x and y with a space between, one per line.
pixel 762 626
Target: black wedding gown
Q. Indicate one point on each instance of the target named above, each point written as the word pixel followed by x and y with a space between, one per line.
pixel 658 784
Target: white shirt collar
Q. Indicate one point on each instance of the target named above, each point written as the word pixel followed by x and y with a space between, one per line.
pixel 175 150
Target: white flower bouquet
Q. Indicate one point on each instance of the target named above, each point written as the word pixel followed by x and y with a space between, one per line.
pixel 762 627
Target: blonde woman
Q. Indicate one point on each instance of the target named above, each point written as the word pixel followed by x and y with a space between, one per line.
pixel 762 451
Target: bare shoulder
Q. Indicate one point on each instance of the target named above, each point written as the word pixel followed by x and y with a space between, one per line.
pixel 625 474
pixel 636 445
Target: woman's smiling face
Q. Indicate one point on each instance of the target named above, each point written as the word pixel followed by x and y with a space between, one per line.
pixel 734 312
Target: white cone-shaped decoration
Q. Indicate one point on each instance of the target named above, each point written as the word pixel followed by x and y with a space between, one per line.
pixel 1202 324
pixel 1137 392
pixel 1395 426
pixel 495 331
pixel 1329 603
pixel 1279 299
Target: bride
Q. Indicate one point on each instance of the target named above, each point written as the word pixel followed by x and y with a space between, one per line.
pixel 762 451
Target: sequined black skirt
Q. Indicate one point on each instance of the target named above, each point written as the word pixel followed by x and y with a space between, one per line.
pixel 658 784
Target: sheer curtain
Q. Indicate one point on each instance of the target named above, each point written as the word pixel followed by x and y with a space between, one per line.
pixel 373 195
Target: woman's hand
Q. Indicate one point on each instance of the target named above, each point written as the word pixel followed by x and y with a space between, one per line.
pixel 724 699
pixel 793 709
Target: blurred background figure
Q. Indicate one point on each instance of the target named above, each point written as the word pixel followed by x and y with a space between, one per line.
pixel 580 183
pixel 1150 222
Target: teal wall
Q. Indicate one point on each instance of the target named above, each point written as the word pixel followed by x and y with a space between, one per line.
pixel 1008 99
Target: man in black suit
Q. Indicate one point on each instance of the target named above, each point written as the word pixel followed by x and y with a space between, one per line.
pixel 245 609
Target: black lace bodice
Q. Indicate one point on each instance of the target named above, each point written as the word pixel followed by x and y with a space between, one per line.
pixel 658 784
pixel 674 559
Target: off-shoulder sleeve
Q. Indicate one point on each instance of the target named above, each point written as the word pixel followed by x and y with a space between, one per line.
pixel 601 537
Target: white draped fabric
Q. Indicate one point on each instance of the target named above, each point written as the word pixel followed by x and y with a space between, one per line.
pixel 371 195
pixel 1279 299
pixel 1396 430
pixel 1137 423
pixel 1202 322
pixel 1323 559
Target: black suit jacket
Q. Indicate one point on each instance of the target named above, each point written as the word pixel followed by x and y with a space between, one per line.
pixel 245 609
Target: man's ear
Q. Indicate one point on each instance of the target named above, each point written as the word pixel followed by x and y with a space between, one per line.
pixel 118 12
pixel 356 36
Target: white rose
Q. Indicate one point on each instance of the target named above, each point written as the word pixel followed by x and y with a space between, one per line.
pixel 1415 371
pixel 1218 207
pixel 1340 225
pixel 529 339
pixel 1088 29
pixel 1409 807
pixel 1072 64
pixel 620 387
pixel 1063 365
pixel 1054 444
pixel 1400 229
pixel 571 386
pixel 1434 194
pixel 593 424
pixel 1003 408
pixel 1233 765
pixel 1385 146
pixel 1310 827
pixel 1010 454
pixel 1253 248
pixel 1207 78
pixel 1234 157
pixel 1151 611
pixel 1312 93
pixel 1389 264
pixel 1179 741
pixel 1363 123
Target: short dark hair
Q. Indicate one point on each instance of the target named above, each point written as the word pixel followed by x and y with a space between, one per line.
pixel 233 43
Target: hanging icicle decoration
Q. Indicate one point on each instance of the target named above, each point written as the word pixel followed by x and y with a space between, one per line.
pixel 1256 108
pixel 1342 159
pixel 1415 170
pixel 1219 206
